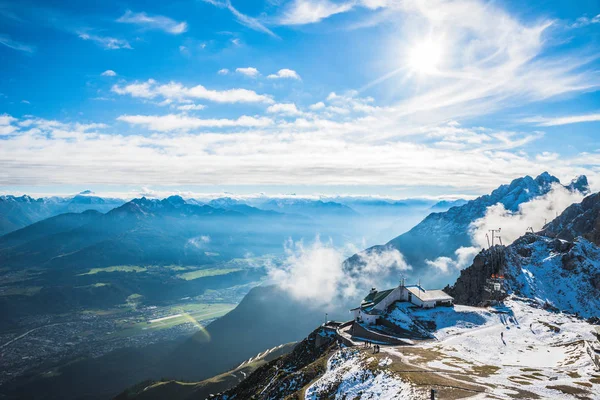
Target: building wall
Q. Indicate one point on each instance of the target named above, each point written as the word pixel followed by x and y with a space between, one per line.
pixel 416 301
pixel 395 295
pixel 367 318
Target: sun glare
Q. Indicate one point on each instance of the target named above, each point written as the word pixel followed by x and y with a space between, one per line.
pixel 425 57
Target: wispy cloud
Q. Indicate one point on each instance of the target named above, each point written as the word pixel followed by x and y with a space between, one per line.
pixel 15 45
pixel 482 66
pixel 285 73
pixel 565 120
pixel 585 21
pixel 109 72
pixel 177 92
pixel 159 22
pixel 173 122
pixel 106 42
pixel 191 107
pixel 250 22
pixel 302 12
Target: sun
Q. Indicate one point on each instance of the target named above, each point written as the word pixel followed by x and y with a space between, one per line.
pixel 425 57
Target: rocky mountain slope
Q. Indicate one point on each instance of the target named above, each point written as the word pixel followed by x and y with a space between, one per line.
pixel 559 266
pixel 177 390
pixel 441 234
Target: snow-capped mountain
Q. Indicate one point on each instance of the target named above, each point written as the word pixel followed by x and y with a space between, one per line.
pixel 441 234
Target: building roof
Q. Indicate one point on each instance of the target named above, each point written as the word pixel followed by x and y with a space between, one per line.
pixel 373 299
pixel 429 295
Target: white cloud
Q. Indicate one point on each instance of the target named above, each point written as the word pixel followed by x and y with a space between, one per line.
pixel 463 258
pixel 317 106
pixel 307 151
pixel 565 120
pixel 15 45
pixel 159 22
pixel 315 272
pixel 285 73
pixel 301 12
pixel 6 127
pixel 173 122
pixel 248 71
pixel 534 214
pixel 176 91
pixel 223 71
pixel 284 108
pixel 243 19
pixel 109 43
pixel 109 72
pixel 191 107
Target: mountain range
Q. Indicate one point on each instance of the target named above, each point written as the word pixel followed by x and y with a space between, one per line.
pixel 18 212
pixel 440 234
pixel 550 280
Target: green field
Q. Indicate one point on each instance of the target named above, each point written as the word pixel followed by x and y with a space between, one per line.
pixel 19 290
pixel 116 268
pixel 194 313
pixel 203 273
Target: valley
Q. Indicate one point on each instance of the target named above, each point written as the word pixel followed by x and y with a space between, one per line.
pixel 43 343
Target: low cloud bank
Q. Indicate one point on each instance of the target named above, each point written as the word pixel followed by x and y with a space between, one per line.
pixel 316 272
pixel 533 214
pixel 463 258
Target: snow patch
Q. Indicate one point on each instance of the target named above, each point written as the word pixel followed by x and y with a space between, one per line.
pixel 347 377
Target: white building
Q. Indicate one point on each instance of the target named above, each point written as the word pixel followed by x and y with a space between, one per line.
pixel 376 303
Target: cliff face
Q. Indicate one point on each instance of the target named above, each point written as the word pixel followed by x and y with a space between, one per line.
pixel 551 271
pixel 469 288
pixel 288 374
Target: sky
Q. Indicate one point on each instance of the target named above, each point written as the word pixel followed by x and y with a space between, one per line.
pixel 399 98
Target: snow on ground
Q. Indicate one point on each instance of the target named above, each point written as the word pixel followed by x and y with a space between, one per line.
pixel 448 320
pixel 515 347
pixel 348 376
pixel 543 276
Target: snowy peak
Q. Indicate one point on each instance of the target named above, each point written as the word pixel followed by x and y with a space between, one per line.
pixel 20 199
pixel 546 180
pixel 579 184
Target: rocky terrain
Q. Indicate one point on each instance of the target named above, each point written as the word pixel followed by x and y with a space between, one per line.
pixel 558 267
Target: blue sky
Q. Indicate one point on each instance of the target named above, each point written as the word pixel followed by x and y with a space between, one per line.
pixel 396 98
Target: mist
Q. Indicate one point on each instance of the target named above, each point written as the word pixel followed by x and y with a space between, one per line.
pixel 315 271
